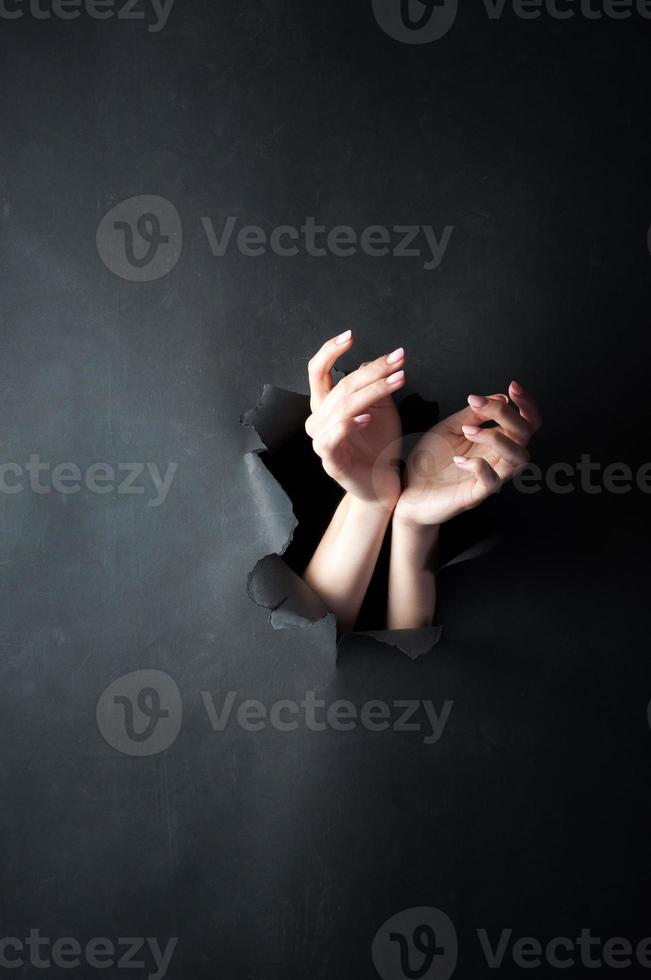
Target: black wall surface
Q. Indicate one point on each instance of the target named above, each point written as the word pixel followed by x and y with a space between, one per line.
pixel 280 854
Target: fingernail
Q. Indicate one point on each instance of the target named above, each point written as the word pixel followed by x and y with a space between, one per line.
pixel 393 379
pixel 516 388
pixel 396 356
pixel 362 419
pixel 343 337
pixel 459 460
pixel 477 401
pixel 471 430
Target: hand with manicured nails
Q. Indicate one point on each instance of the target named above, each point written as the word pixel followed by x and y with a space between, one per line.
pixel 458 464
pixel 354 425
pixel 355 428
pixel 452 468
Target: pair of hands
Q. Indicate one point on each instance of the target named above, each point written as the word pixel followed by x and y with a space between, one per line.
pixel 355 429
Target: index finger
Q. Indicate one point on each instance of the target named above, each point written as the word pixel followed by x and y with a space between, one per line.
pixel 320 366
pixel 367 374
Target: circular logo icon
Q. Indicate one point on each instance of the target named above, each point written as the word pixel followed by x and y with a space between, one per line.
pixel 140 713
pixel 417 944
pixel 415 21
pixel 425 459
pixel 140 239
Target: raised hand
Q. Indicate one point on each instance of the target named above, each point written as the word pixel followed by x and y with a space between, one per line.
pixel 458 464
pixel 355 429
pixel 452 468
pixel 354 426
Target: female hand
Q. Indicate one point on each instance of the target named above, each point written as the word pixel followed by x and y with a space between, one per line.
pixel 457 464
pixel 354 425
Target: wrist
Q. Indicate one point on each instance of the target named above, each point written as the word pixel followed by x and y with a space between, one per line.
pixel 412 574
pixel 420 540
pixel 372 509
pixel 409 525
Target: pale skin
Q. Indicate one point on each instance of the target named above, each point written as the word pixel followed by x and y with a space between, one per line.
pixel 454 467
pixel 351 426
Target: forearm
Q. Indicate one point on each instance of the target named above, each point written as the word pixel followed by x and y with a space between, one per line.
pixel 412 577
pixel 342 565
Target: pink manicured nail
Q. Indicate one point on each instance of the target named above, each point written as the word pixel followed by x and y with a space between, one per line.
pixel 471 430
pixel 516 388
pixel 459 460
pixel 362 419
pixel 343 337
pixel 396 356
pixel 477 401
pixel 393 379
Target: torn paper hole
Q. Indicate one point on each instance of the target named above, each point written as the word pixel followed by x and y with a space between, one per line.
pixel 291 490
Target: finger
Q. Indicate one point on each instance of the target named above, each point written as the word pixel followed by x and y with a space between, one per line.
pixel 485 476
pixel 359 402
pixel 320 366
pixel 527 405
pixel 312 428
pixel 468 416
pixel 495 440
pixel 492 409
pixel 366 374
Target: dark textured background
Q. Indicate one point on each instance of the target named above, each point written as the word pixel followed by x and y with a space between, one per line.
pixel 277 855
